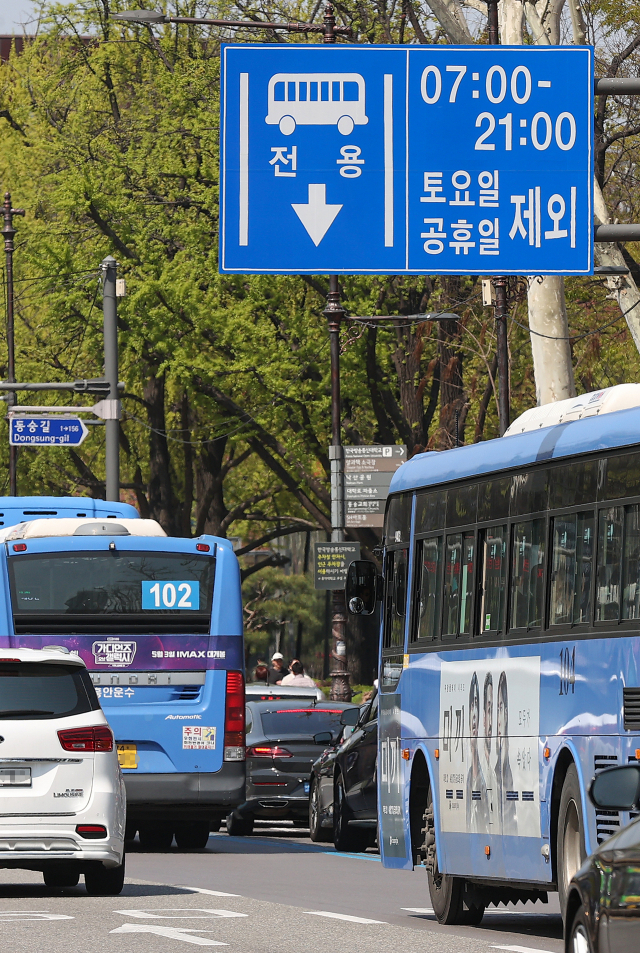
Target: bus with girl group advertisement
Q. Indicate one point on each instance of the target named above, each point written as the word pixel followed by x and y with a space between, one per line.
pixel 510 658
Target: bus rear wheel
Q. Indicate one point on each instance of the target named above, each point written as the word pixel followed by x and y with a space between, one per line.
pixel 155 837
pixel 446 892
pixel 571 850
pixel 193 836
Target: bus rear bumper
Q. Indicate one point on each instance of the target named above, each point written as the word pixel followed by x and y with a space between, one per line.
pixel 180 796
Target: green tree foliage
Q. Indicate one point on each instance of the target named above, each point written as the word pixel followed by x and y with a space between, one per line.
pixel 274 601
pixel 109 140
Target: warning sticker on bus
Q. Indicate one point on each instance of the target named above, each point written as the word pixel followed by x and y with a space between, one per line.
pixel 198 737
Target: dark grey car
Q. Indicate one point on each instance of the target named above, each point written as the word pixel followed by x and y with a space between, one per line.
pixel 603 903
pixel 284 738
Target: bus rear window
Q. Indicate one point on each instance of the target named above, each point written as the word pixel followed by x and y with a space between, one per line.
pixel 120 583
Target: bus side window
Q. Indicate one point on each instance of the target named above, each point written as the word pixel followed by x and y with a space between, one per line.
pixel 396 598
pixel 493 579
pixel 428 589
pixel 458 584
pixel 527 574
pixel 631 563
pixel 609 557
pixel 571 569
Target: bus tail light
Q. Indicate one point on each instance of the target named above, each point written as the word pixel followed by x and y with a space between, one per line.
pixel 98 738
pixel 234 724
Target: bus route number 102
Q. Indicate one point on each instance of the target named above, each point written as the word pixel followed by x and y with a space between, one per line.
pixel 177 594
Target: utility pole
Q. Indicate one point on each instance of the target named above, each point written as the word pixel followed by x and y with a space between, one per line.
pixel 9 231
pixel 500 283
pixel 109 268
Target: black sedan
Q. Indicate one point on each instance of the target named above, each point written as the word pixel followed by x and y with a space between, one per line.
pixel 284 738
pixel 343 797
pixel 603 902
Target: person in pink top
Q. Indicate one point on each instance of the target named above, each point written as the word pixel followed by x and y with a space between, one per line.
pixel 297 676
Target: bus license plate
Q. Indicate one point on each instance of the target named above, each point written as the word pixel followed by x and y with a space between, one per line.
pixel 18 777
pixel 128 756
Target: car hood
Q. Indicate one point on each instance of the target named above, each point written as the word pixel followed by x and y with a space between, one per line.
pixel 626 839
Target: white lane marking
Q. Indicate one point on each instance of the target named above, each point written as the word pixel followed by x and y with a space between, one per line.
pixel 180 913
pixel 16 916
pixel 519 949
pixel 172 933
pixel 425 910
pixel 210 893
pixel 341 916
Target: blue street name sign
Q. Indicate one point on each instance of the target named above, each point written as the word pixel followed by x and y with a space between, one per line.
pixel 46 431
pixel 420 159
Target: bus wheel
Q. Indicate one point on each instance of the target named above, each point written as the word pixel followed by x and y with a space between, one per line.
pixel 345 126
pixel 570 846
pixel 155 837
pixel 446 892
pixel 192 836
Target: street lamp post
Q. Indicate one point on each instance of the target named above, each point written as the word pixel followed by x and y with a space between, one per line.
pixel 9 231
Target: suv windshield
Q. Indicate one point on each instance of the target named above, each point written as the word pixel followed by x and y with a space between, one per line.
pixel 300 722
pixel 44 690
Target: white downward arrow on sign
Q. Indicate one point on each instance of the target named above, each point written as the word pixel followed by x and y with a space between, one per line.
pixel 172 933
pixel 316 216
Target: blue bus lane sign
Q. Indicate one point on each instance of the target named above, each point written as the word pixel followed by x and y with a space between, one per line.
pixel 390 159
pixel 46 431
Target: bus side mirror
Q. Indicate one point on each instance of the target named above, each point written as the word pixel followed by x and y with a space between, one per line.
pixel 361 589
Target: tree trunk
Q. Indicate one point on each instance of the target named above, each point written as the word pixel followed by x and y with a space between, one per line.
pixel 623 288
pixel 549 346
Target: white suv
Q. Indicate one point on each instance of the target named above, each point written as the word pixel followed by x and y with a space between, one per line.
pixel 62 797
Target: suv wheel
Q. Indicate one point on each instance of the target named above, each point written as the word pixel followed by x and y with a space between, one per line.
pixel 238 826
pixel 345 838
pixel 61 875
pixel 317 833
pixel 104 881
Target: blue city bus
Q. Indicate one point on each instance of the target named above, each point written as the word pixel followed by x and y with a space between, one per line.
pixel 158 622
pixel 509 658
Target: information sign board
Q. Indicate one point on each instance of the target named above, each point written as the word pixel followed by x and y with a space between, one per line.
pixel 368 471
pixel 46 431
pixel 331 564
pixel 406 159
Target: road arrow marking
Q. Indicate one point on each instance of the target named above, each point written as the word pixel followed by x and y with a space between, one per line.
pixel 316 216
pixel 172 933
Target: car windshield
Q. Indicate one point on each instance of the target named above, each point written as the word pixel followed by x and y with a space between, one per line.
pixel 300 722
pixel 44 690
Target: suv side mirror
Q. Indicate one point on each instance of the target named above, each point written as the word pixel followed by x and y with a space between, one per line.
pixel 361 590
pixel 350 717
pixel 617 788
